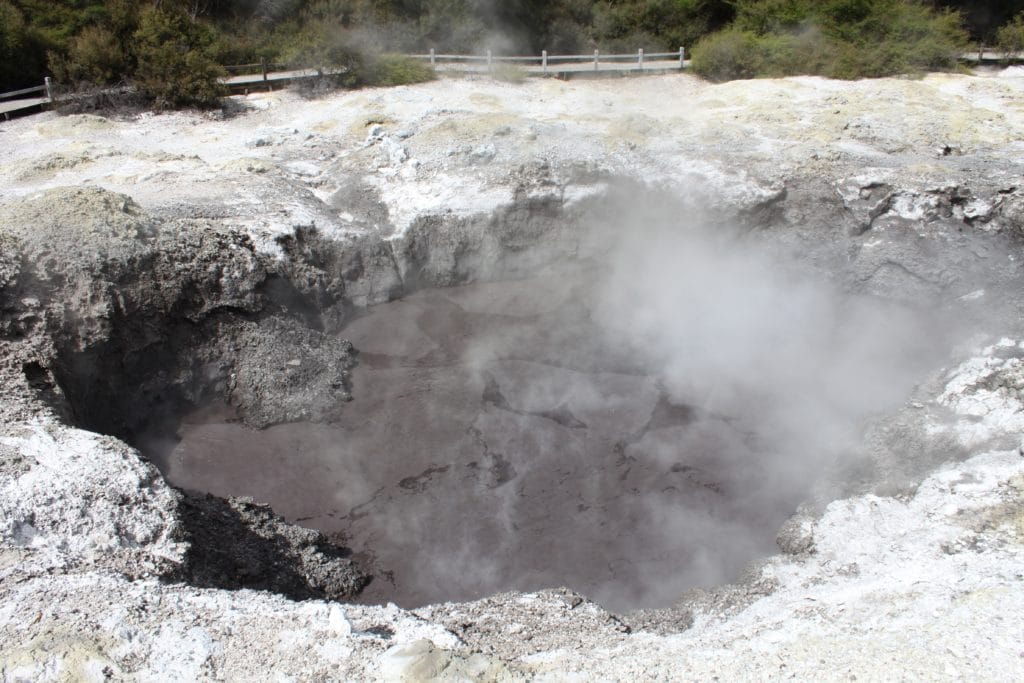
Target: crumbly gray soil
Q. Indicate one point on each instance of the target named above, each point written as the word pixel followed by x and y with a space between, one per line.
pixel 163 261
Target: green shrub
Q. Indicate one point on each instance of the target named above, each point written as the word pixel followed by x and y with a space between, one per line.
pixel 174 68
pixel 728 55
pixel 733 54
pixel 626 25
pixel 96 56
pixel 838 38
pixel 347 60
pixel 893 38
pixel 1010 38
pixel 772 16
pixel 12 42
pixel 22 51
pixel 391 69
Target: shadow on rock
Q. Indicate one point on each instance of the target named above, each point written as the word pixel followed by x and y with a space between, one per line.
pixel 237 543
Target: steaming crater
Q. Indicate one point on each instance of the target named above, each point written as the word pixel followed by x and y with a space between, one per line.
pixel 630 427
pixel 102 325
pixel 499 439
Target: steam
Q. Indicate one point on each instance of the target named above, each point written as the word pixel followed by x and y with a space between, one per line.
pixel 780 367
pixel 632 427
pixel 736 330
pixel 765 371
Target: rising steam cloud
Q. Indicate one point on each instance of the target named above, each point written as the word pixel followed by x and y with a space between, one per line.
pixel 631 428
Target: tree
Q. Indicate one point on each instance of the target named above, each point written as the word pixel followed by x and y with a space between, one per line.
pixel 96 56
pixel 1010 38
pixel 838 38
pixel 12 43
pixel 982 18
pixel 174 68
pixel 22 53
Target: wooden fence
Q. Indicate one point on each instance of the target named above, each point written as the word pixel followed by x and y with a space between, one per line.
pixel 243 77
pixel 16 100
pixel 546 64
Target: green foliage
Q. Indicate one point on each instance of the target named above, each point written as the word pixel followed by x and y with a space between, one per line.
pixel 95 40
pixel 448 24
pixel 56 22
pixel 772 16
pixel 838 38
pixel 96 56
pixel 654 24
pixel 390 69
pixel 174 68
pixel 345 61
pixel 734 53
pixel 22 52
pixel 1010 38
pixel 728 55
pixel 13 40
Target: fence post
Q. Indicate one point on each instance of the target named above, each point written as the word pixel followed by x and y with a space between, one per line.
pixel 682 57
pixel 490 58
pixel 263 68
pixel 596 56
pixel 433 57
pixel 640 57
pixel 49 88
pixel 544 61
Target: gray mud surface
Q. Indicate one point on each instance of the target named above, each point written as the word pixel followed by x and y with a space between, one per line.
pixel 499 440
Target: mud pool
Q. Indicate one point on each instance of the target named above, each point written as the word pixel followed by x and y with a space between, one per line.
pixel 499 440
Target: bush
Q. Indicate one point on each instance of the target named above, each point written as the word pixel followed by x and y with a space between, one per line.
pixel 893 38
pixel 395 70
pixel 838 38
pixel 347 59
pixel 1010 38
pixel 626 25
pixel 96 56
pixel 12 42
pixel 22 52
pixel 174 68
pixel 772 16
pixel 734 53
pixel 728 55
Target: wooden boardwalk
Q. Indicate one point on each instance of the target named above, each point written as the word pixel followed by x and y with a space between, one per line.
pixel 11 106
pixel 16 100
pixel 563 66
pixel 271 78
pixel 557 66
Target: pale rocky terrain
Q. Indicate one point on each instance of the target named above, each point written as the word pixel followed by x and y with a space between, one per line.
pixel 161 259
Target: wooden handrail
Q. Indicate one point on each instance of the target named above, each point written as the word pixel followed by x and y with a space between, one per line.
pixel 539 58
pixel 544 61
pixel 24 91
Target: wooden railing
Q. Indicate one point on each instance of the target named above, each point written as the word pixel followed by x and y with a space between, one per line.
pixel 544 61
pixel 263 68
pixel 991 55
pixel 16 100
pixel 45 87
